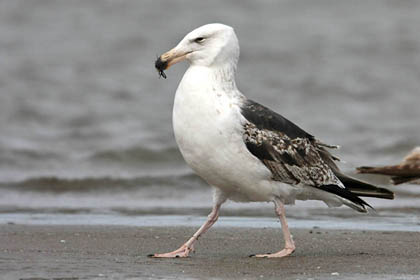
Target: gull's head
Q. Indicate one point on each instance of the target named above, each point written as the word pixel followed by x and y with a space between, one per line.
pixel 211 45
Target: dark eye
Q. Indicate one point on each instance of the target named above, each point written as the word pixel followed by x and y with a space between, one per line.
pixel 199 39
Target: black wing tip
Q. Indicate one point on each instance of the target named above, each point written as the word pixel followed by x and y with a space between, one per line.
pixel 361 188
pixel 358 203
pixel 363 206
pixel 381 193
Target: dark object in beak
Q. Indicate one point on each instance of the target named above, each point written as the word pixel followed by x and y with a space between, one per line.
pixel 160 66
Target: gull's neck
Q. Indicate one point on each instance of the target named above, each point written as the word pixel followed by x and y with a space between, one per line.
pixel 211 78
pixel 225 75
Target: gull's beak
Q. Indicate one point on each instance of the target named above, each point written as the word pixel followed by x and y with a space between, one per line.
pixel 168 59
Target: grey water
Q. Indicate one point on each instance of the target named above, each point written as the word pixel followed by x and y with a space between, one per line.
pixel 85 122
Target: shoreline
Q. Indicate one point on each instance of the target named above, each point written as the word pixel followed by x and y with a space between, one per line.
pixel 120 252
pixel 343 220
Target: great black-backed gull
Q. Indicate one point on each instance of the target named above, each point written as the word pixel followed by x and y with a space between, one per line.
pixel 245 151
pixel 406 171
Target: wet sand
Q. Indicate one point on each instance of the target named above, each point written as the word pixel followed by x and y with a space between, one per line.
pixel 108 252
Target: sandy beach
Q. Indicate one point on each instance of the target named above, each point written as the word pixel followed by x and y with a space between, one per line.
pixel 107 252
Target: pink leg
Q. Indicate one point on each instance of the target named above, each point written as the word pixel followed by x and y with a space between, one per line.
pixel 188 246
pixel 290 245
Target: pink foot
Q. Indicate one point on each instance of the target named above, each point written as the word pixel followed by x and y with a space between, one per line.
pixel 182 252
pixel 283 253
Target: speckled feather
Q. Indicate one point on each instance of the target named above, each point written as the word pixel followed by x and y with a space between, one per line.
pixel 294 156
pixel 291 160
pixel 290 153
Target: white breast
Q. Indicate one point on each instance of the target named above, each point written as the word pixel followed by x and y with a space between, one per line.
pixel 208 129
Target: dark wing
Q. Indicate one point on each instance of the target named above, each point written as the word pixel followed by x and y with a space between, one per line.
pixel 354 185
pixel 287 150
pixel 292 155
pixel 264 118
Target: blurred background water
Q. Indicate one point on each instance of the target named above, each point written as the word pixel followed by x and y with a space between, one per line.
pixel 85 123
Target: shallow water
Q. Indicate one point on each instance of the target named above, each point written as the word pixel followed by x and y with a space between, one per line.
pixel 85 123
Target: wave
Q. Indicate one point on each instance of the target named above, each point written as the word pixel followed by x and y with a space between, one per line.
pixel 138 154
pixel 109 184
pixel 20 156
pixel 124 155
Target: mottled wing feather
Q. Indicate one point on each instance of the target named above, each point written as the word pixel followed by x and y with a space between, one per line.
pixel 290 160
pixel 295 157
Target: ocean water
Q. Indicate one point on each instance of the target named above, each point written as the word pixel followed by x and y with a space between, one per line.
pixel 85 122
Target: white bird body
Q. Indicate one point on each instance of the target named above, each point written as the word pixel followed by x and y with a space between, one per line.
pixel 244 150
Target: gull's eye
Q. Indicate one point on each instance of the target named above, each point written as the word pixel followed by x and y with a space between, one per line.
pixel 199 39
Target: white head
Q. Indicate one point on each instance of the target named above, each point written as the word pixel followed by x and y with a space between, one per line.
pixel 209 45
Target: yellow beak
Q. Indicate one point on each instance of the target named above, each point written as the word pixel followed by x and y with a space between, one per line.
pixel 168 59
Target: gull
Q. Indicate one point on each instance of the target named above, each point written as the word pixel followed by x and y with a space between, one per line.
pixel 245 151
pixel 406 171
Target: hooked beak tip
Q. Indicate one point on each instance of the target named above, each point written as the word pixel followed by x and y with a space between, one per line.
pixel 168 59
